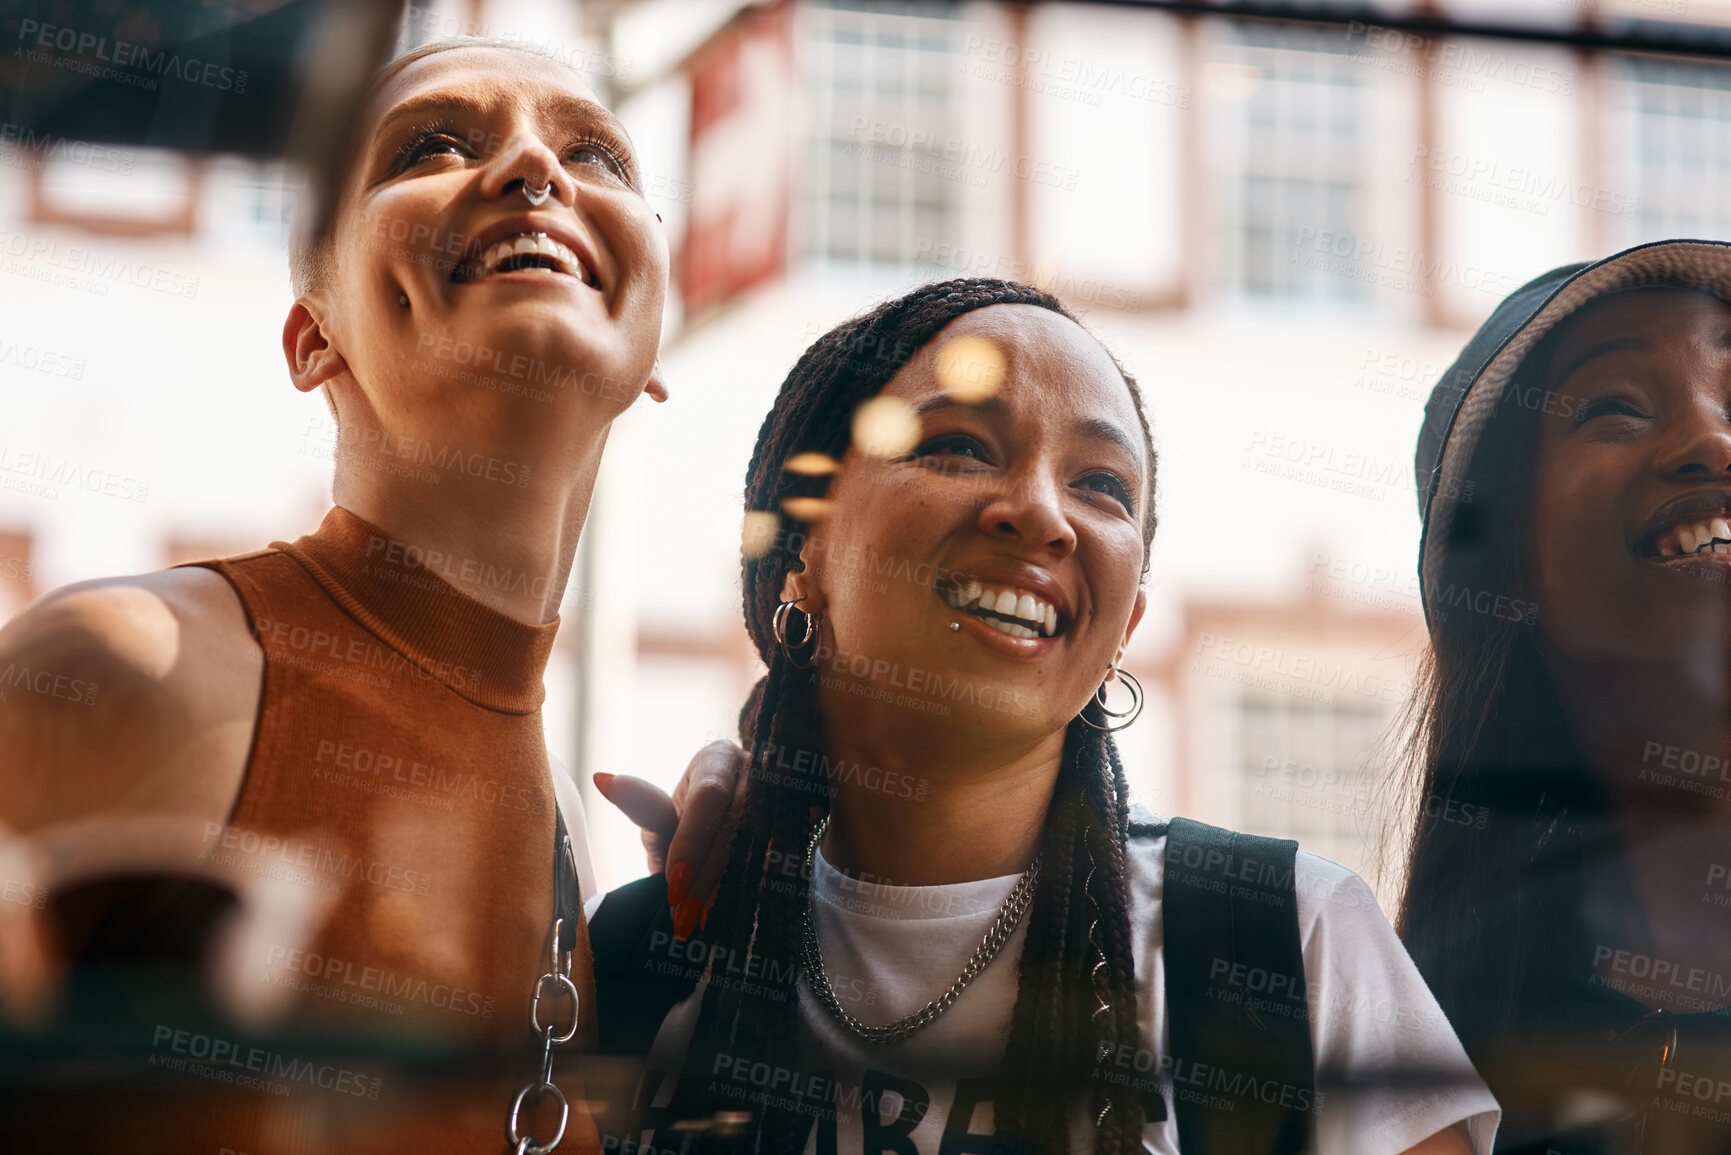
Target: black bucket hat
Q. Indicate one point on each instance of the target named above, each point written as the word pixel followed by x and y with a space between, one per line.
pixel 1467 396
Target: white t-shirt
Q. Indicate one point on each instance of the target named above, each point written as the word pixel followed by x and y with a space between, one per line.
pixel 890 949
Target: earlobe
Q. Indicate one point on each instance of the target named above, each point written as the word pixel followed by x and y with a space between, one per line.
pixel 306 346
pixel 803 584
pixel 657 384
pixel 797 587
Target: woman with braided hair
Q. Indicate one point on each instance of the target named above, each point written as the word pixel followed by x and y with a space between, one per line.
pixel 940 927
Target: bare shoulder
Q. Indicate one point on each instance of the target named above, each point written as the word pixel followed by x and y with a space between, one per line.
pixel 133 693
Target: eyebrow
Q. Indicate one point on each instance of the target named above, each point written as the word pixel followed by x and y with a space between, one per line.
pixel 991 406
pixel 1099 429
pixel 1603 348
pixel 1093 428
pixel 560 105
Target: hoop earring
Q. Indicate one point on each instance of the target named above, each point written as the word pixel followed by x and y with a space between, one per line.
pixel 778 627
pixel 1128 680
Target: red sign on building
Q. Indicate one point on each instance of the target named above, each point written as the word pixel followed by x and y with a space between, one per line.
pixel 742 86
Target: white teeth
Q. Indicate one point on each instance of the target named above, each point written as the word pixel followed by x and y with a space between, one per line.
pixel 1036 618
pixel 1702 533
pixel 525 244
pixel 1695 537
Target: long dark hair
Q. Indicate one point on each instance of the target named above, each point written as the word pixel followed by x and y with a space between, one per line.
pixel 1505 810
pixel 1079 917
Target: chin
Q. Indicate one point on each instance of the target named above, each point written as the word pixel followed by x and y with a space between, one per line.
pixel 571 370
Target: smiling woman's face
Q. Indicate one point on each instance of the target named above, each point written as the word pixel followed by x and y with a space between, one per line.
pixel 435 207
pixel 1033 499
pixel 1633 482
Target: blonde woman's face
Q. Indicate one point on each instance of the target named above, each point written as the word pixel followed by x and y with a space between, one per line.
pixel 457 300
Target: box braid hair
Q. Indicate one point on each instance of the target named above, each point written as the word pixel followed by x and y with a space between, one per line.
pixel 1076 998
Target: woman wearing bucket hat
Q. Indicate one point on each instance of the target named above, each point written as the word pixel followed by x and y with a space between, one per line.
pixel 1568 896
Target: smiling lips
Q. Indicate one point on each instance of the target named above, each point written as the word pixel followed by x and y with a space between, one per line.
pixel 1006 609
pixel 527 250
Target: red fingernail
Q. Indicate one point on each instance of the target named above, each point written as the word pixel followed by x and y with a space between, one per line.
pixel 678 881
pixel 707 907
pixel 685 919
pixel 603 781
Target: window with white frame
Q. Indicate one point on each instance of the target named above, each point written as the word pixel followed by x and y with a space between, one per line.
pixel 268 190
pixel 1292 116
pixel 884 160
pixel 1307 771
pixel 1675 149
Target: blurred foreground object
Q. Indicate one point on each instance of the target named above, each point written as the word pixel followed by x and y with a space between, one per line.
pixel 260 78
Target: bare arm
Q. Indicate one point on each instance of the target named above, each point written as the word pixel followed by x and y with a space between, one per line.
pixel 128 695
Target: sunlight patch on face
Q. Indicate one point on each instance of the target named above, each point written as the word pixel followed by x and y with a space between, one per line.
pixel 811 464
pixel 757 533
pixel 885 427
pixel 970 369
pixel 809 509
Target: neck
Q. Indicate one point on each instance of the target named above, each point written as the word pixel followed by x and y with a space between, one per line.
pixel 956 811
pixel 1660 739
pixel 508 546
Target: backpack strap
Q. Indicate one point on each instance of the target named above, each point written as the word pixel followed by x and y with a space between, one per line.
pixel 639 976
pixel 1243 1072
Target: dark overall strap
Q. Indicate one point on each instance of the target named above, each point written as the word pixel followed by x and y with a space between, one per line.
pixel 567 889
pixel 1243 1073
pixel 640 973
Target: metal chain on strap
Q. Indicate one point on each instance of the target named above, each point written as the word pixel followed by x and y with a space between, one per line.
pixel 1101 1006
pixel 811 956
pixel 554 983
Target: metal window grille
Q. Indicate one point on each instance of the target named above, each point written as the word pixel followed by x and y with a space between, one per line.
pixel 885 161
pixel 1294 131
pixel 1676 148
pixel 1306 771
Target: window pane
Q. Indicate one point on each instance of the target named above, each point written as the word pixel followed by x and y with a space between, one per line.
pixel 1676 126
pixel 887 185
pixel 1299 163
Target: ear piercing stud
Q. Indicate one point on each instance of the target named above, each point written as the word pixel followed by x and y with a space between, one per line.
pixel 955 627
pixel 403 300
pixel 537 196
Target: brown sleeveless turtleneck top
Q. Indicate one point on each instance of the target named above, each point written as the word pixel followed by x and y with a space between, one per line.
pixel 398 767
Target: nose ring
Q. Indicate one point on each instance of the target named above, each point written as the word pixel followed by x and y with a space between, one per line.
pixel 538 196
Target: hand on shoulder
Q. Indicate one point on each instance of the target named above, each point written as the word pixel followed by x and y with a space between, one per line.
pixel 126 694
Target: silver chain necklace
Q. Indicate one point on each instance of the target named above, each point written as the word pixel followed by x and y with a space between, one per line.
pixel 811 957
